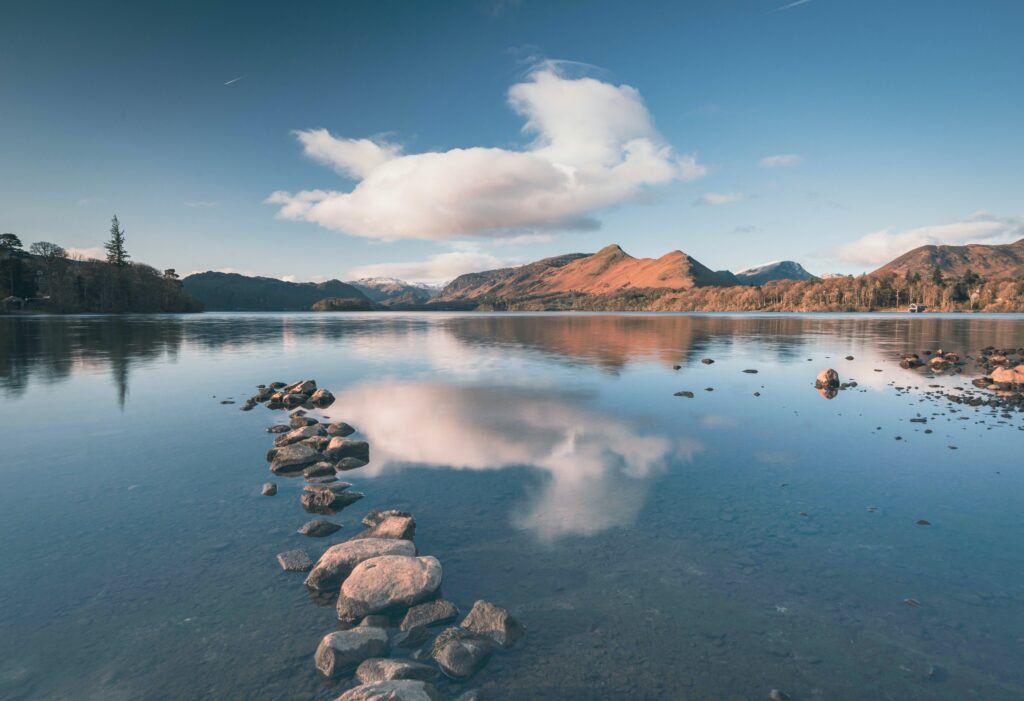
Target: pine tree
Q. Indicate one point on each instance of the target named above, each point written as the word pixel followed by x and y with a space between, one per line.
pixel 116 254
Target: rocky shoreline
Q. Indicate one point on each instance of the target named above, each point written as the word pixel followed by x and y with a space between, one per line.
pixel 387 594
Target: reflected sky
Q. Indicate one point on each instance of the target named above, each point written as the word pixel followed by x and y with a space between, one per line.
pixel 595 464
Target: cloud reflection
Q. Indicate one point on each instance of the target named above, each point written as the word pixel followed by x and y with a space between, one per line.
pixel 597 466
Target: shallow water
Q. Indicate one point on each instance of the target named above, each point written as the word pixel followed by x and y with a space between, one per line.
pixel 653 545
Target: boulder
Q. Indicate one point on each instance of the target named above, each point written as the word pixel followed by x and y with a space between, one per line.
pixel 294 561
pixel 826 379
pixel 461 653
pixel 277 428
pixel 343 650
pixel 430 613
pixel 346 464
pixel 293 458
pixel 301 421
pixel 389 524
pixel 319 469
pixel 379 669
pixel 317 443
pixel 392 690
pixel 1012 376
pixel 299 434
pixel 494 622
pixel 325 499
pixel 707 361
pixel 387 582
pixel 269 489
pixel 340 428
pixel 321 398
pixel 301 387
pixel 341 447
pixel 318 528
pixel 293 400
pixel 335 565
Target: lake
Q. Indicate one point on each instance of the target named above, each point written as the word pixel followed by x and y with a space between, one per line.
pixel 754 537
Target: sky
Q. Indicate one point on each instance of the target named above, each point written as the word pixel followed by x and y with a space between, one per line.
pixel 423 140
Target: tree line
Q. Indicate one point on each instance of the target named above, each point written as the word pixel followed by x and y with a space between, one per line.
pixel 47 278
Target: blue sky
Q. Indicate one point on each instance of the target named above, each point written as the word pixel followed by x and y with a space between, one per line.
pixel 462 135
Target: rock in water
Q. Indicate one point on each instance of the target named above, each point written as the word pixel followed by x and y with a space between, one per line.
pixel 318 529
pixel 340 447
pixel 342 650
pixel 321 398
pixel 269 489
pixel 326 502
pixel 707 361
pixel 300 387
pixel 299 434
pixel 335 565
pixel 461 653
pixel 379 670
pixel 827 379
pixel 319 469
pixel 386 582
pixel 346 464
pixel 494 622
pixel 340 428
pixel 392 690
pixel 277 428
pixel 388 524
pixel 684 393
pixel 430 613
pixel 302 421
pixel 295 561
pixel 321 499
pixel 292 458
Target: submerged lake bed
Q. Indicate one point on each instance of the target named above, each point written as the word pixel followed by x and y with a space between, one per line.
pixel 756 536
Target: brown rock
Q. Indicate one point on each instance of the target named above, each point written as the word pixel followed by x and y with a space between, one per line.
pixel 494 622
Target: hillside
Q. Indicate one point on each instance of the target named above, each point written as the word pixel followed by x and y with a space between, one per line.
pixel 608 271
pixel 769 272
pixel 993 262
pixel 233 292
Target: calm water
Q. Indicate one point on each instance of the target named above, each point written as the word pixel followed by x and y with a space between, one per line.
pixel 653 545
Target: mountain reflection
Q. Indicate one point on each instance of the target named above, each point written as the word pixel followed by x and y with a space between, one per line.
pixel 596 467
pixel 49 349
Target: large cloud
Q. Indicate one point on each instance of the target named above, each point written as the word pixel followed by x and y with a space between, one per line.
pixel 594 146
pixel 880 247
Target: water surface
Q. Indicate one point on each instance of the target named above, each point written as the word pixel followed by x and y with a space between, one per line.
pixel 654 546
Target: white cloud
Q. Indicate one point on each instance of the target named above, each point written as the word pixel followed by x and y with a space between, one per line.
pixel 289 278
pixel 781 160
pixel 596 470
pixel 435 270
pixel 94 253
pixel 719 198
pixel 880 247
pixel 594 146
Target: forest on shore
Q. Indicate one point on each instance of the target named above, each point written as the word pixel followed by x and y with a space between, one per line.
pixel 45 278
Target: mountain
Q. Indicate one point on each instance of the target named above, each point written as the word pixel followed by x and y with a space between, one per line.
pixel 608 271
pixel 998 261
pixel 233 292
pixel 388 290
pixel 778 270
